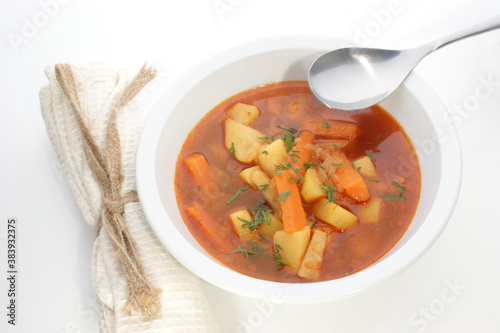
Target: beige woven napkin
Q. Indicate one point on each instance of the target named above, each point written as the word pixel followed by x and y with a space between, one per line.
pixel 165 296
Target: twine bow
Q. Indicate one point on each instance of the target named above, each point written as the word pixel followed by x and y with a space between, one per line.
pixel 107 172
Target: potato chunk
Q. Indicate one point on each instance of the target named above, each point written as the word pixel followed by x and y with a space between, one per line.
pixel 272 155
pixel 293 245
pixel 311 189
pixel 236 218
pixel 313 259
pixel 334 214
pixel 268 189
pixel 371 211
pixel 244 139
pixel 246 175
pixel 274 225
pixel 243 113
pixel 365 166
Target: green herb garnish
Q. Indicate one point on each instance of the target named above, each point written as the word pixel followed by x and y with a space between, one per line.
pixel 329 191
pixel 294 157
pixel 374 180
pixel 313 165
pixel 248 248
pixel 279 261
pixel 291 129
pixel 326 125
pixel 392 197
pixel 240 192
pixel 267 138
pixel 283 196
pixel 231 150
pixel 263 187
pixel 370 155
pixel 338 165
pixel 260 215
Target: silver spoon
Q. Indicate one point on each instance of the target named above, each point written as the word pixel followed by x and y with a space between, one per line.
pixel 355 78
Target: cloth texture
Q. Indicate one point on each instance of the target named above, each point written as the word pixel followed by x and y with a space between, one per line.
pixel 184 307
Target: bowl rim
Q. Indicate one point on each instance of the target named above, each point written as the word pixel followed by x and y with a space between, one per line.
pixel 232 281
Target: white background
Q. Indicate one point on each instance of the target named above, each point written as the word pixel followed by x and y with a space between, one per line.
pixel 54 245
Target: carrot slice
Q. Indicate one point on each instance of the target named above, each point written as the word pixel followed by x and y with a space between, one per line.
pixel 204 220
pixel 333 129
pixel 199 169
pixel 302 151
pixel 348 178
pixel 292 212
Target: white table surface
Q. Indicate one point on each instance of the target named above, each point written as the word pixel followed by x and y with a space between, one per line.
pixel 455 287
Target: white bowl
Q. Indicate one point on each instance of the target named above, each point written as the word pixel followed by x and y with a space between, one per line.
pixel 414 105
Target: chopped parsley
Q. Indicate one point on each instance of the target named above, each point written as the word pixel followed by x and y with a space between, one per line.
pixel 263 187
pixel 370 155
pixel 313 165
pixel 267 138
pixel 279 261
pixel 240 192
pixel 326 125
pixel 392 197
pixel 329 191
pixel 289 137
pixel 283 196
pixel 248 248
pixel 231 150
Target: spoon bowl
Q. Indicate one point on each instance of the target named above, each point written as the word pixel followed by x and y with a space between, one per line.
pixel 355 78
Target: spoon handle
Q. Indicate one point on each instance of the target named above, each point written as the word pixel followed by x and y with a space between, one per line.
pixel 475 29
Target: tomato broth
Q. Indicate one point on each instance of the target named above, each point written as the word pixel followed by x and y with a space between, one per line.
pixel 363 168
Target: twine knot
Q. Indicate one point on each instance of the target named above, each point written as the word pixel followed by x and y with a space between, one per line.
pixel 107 173
pixel 118 206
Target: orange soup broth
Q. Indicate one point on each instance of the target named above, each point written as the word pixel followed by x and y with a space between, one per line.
pixel 291 104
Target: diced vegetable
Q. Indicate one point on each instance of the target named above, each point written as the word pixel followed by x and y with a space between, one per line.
pixel 244 139
pixel 246 174
pixel 198 213
pixel 371 211
pixel 302 151
pixel 267 187
pixel 333 129
pixel 311 189
pixel 292 212
pixel 238 218
pixel 243 113
pixel 199 169
pixel 334 144
pixel 348 178
pixel 293 245
pixel 313 259
pixel 365 166
pixel 334 214
pixel 272 155
pixel 274 225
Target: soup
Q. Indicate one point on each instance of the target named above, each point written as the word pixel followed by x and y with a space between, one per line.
pixel 277 186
